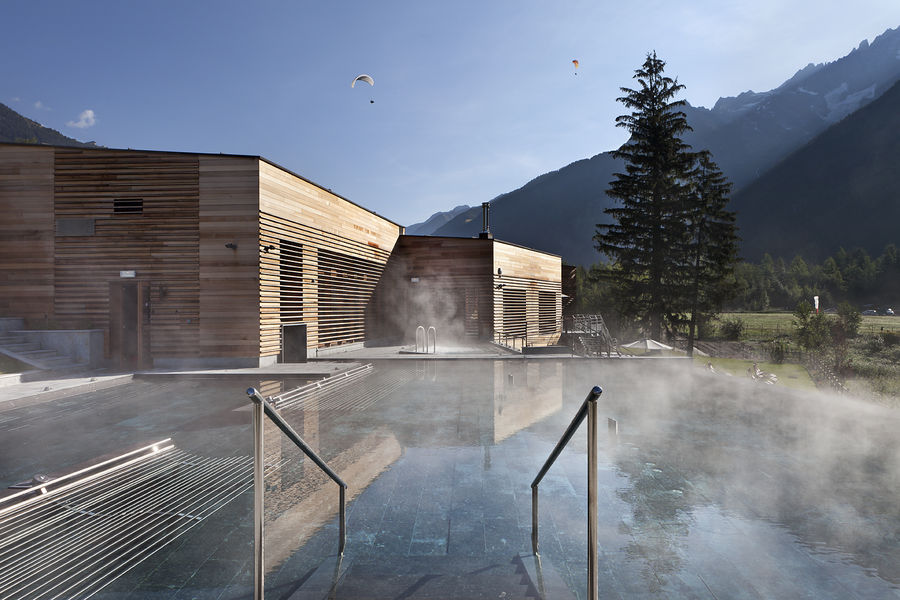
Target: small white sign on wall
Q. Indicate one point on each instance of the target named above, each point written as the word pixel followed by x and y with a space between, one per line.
pixel 127 273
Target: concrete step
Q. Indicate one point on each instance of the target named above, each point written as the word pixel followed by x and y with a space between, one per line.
pixel 11 323
pixel 38 354
pixel 392 576
pixel 17 346
pixel 21 347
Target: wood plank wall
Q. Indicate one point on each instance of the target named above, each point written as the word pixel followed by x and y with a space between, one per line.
pixel 313 277
pixel 452 291
pixel 160 242
pixel 26 237
pixel 530 300
pixel 320 258
pixel 206 299
pixel 229 277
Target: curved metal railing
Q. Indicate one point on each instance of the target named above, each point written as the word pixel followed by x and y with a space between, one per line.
pixel 588 409
pixel 262 408
pixel 431 333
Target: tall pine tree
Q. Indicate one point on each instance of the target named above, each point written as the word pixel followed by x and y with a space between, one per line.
pixel 673 239
pixel 649 225
pixel 711 249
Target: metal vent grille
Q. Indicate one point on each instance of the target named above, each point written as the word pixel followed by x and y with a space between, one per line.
pixel 128 206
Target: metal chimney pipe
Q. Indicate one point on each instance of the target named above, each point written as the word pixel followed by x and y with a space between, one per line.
pixel 486 220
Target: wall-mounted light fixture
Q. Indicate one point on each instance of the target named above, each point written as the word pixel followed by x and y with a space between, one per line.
pixel 231 245
pixel 499 272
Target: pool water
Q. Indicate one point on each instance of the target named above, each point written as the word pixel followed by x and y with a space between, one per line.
pixel 712 488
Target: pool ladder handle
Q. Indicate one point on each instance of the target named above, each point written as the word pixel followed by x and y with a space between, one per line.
pixel 261 409
pixel 430 333
pixel 588 409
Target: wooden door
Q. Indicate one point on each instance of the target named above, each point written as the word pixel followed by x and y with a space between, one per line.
pixel 129 321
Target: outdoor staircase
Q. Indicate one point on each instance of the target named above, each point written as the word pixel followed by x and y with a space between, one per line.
pixel 590 345
pixel 14 343
pixel 593 337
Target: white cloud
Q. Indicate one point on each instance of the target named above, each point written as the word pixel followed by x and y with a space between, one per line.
pixel 16 99
pixel 40 106
pixel 85 119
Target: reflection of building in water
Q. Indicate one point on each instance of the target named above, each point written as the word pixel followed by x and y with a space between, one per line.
pixel 482 408
pixel 300 498
pixel 524 394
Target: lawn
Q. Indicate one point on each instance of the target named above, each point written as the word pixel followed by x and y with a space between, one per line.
pixel 768 325
pixel 789 375
pixel 10 365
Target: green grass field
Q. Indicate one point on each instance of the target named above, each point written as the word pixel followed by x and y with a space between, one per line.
pixel 766 326
pixel 789 375
pixel 9 365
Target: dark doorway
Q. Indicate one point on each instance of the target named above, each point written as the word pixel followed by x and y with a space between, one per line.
pixel 293 343
pixel 129 320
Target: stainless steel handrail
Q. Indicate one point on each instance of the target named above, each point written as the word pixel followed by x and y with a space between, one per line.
pixel 588 409
pixel 432 333
pixel 262 408
pixel 424 339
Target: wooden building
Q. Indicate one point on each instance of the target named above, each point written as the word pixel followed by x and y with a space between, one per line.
pixel 187 259
pixel 468 288
pixel 184 259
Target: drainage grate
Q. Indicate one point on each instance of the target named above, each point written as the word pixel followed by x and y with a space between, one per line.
pixel 78 533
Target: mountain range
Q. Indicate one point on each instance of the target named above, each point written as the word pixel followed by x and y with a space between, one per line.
pixel 18 129
pixel 842 189
pixel 750 136
pixel 814 164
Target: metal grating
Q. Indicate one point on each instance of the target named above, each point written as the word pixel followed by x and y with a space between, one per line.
pixel 78 533
pixel 341 392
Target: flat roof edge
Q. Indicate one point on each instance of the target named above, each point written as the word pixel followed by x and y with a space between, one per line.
pixel 213 154
pixel 459 237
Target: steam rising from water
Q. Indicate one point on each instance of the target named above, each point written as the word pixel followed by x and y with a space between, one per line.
pixel 826 468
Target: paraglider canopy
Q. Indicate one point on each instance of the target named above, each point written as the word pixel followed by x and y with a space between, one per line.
pixel 575 62
pixel 365 78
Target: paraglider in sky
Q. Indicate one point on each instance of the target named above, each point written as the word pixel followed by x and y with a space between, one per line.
pixel 575 62
pixel 365 78
pixel 368 79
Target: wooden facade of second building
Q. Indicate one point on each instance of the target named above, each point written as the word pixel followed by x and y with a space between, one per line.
pixel 468 288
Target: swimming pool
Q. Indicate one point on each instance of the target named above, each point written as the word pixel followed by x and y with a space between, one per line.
pixel 713 487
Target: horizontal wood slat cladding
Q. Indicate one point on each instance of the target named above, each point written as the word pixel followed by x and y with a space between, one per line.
pixel 452 292
pixel 26 237
pixel 160 243
pixel 535 276
pixel 283 194
pixel 319 261
pixel 312 276
pixel 229 277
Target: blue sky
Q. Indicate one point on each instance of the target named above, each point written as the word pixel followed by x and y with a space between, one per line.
pixel 471 98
